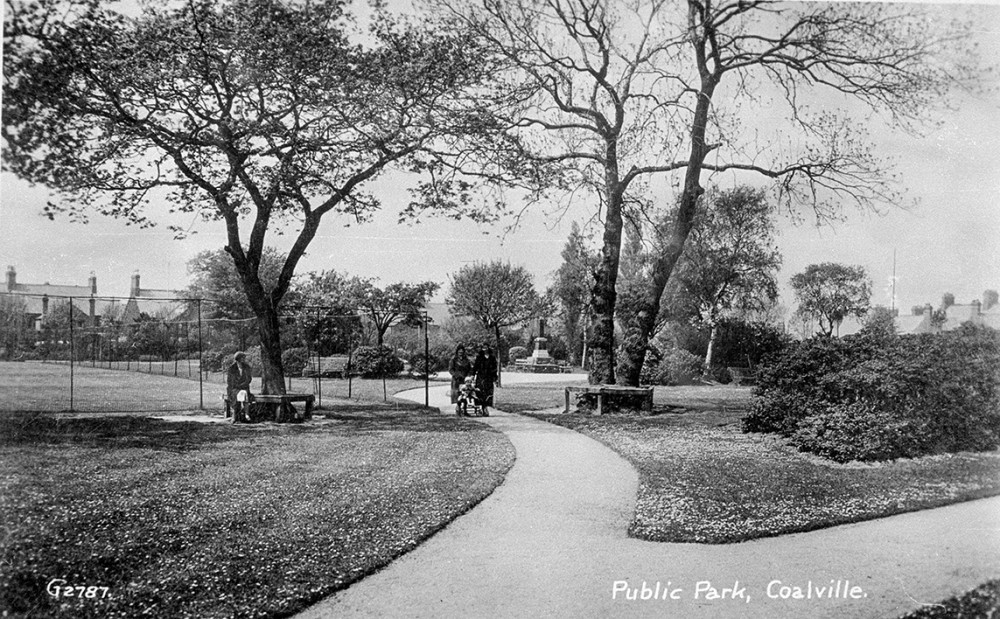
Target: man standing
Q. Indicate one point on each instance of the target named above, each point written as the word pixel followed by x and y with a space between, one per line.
pixel 238 386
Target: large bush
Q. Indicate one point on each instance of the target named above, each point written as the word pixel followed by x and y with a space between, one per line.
pixel 878 396
pixel 674 367
pixel 295 360
pixel 517 352
pixel 376 362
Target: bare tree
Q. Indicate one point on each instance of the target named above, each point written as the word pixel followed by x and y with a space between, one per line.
pixel 622 91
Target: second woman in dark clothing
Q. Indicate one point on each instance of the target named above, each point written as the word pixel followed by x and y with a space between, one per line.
pixel 485 368
pixel 459 367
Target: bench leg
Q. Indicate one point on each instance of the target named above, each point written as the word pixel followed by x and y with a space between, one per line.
pixel 567 400
pixel 600 403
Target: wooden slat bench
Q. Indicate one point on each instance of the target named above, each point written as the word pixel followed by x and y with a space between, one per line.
pixel 308 398
pixel 608 391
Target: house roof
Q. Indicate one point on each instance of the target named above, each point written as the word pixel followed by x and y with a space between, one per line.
pixel 52 290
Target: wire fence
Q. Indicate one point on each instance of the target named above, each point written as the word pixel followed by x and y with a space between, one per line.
pixel 112 354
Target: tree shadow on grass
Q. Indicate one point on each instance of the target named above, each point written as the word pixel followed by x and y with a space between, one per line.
pixel 366 422
pixel 127 431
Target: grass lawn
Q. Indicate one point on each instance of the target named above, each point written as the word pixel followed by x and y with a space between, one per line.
pixel 215 520
pixel 703 480
pixel 32 386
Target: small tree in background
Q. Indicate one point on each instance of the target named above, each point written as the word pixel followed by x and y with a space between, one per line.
pixel 571 291
pixel 396 303
pixel 496 294
pixel 947 300
pixel 830 292
pixel 990 299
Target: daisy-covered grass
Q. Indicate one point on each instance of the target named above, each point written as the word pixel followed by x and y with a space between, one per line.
pixel 703 480
pixel 980 602
pixel 215 520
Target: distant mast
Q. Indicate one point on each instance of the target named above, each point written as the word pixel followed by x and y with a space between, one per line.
pixel 892 301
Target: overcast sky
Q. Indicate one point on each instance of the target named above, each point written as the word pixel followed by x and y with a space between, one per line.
pixel 949 243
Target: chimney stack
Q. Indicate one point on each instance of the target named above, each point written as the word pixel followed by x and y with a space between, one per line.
pixel 135 285
pixel 92 282
pixel 11 279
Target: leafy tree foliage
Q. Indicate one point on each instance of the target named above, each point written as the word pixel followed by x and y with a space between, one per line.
pixel 622 92
pixel 17 334
pixel 730 261
pixel 253 113
pixel 830 292
pixel 215 279
pixel 497 294
pixel 399 302
pixel 571 290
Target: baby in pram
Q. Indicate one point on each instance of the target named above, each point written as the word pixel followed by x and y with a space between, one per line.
pixel 468 396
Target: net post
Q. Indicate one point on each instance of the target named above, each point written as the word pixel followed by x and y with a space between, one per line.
pixel 201 367
pixel 427 361
pixel 72 351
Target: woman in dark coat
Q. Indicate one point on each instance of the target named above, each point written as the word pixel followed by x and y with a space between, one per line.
pixel 459 367
pixel 238 378
pixel 485 368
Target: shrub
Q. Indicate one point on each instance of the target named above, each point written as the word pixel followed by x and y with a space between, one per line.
pixel 295 360
pixel 215 360
pixel 376 362
pixel 517 352
pixel 418 367
pixel 676 367
pixel 878 396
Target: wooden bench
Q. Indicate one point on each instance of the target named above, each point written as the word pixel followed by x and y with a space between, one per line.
pixel 327 367
pixel 604 392
pixel 308 398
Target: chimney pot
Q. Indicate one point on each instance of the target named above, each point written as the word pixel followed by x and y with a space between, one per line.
pixel 135 285
pixel 11 278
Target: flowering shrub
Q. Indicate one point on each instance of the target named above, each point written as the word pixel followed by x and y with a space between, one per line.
pixel 878 396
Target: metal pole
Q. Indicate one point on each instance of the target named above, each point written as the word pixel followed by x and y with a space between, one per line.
pixel 427 362
pixel 72 350
pixel 201 392
pixel 319 365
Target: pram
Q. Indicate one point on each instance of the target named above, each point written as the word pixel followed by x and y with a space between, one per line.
pixel 469 397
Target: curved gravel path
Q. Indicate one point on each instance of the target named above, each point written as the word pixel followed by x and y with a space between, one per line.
pixel 551 541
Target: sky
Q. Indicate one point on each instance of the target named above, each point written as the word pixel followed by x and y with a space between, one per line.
pixel 950 242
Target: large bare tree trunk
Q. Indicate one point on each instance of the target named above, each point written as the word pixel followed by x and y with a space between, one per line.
pixel 604 296
pixel 273 378
pixel 638 333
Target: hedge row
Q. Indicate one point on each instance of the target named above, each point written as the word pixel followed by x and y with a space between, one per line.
pixel 878 396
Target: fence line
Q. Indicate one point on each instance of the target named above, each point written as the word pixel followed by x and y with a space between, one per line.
pixel 165 337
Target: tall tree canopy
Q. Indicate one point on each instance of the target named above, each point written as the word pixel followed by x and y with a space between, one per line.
pixel 253 113
pixel 623 92
pixel 830 292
